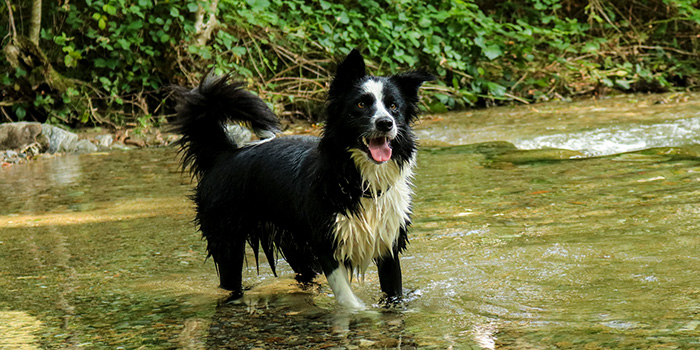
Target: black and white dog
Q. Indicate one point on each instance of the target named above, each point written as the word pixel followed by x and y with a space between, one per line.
pixel 332 204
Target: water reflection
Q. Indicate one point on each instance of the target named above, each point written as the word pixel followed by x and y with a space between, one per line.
pixel 22 184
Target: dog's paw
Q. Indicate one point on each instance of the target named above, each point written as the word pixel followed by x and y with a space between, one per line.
pixel 351 302
pixel 392 302
pixel 235 296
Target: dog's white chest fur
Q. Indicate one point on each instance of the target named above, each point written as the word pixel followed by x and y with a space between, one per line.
pixel 373 231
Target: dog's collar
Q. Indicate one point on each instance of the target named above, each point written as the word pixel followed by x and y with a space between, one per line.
pixel 368 194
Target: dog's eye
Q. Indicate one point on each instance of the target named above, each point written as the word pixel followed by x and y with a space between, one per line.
pixel 393 106
pixel 360 105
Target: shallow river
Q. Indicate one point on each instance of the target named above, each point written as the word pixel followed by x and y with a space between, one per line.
pixel 515 245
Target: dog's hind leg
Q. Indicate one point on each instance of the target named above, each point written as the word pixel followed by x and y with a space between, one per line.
pixel 389 270
pixel 301 259
pixel 230 267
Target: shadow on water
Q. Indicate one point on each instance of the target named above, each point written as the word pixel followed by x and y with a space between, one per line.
pixel 510 249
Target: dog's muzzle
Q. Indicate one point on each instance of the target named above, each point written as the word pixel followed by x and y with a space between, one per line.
pixel 384 124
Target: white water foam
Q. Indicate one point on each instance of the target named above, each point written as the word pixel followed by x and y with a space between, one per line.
pixel 618 139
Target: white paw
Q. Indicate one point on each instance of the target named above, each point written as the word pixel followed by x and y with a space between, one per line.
pixel 351 302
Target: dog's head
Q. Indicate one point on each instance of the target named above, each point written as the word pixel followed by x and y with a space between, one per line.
pixel 372 113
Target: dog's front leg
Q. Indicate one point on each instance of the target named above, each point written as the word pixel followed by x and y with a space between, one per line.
pixel 389 270
pixel 339 280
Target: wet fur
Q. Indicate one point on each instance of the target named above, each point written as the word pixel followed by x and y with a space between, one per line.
pixel 322 203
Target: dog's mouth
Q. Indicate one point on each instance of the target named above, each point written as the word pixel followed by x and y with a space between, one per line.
pixel 379 148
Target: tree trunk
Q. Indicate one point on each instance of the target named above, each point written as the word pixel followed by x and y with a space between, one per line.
pixel 22 53
pixel 35 23
pixel 204 29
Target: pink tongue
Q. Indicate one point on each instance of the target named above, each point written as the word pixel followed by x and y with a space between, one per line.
pixel 379 147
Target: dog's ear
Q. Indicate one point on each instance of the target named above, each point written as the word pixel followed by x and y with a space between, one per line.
pixel 409 83
pixel 349 71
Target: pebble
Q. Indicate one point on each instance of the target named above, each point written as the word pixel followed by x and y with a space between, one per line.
pixel 364 343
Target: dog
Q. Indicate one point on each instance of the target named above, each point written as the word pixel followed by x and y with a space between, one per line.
pixel 331 204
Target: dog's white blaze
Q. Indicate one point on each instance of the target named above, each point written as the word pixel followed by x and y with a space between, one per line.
pixel 376 88
pixel 371 233
pixel 340 284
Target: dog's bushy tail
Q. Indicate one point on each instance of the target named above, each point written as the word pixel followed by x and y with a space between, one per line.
pixel 202 114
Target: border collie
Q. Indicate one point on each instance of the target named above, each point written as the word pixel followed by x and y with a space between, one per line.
pixel 329 205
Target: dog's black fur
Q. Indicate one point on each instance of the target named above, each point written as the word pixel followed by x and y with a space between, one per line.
pixel 289 194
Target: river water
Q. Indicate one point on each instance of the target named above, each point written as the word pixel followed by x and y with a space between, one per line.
pixel 552 226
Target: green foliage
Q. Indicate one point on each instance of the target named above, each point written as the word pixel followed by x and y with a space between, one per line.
pixel 125 52
pixel 122 50
pixel 483 51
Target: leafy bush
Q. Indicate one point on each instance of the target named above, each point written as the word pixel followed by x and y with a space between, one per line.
pixel 123 54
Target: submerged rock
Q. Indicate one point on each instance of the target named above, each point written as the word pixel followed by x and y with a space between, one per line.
pixel 120 146
pixel 489 149
pixel 537 155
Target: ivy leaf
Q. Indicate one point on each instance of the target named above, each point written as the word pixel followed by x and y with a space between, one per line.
pixel 20 112
pixel 135 25
pixel 492 51
pixel 623 83
pixel 124 44
pixel 105 82
pixel 238 51
pixel 258 5
pixel 136 10
pixel 69 61
pixel 424 22
pixel 343 18
pixel 111 10
pixel 591 46
pixel 496 89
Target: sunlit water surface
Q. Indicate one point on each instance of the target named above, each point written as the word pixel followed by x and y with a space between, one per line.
pixel 510 248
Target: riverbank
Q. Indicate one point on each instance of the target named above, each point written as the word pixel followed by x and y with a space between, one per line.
pixel 23 141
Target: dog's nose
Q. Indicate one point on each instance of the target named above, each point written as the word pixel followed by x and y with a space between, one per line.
pixel 384 124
